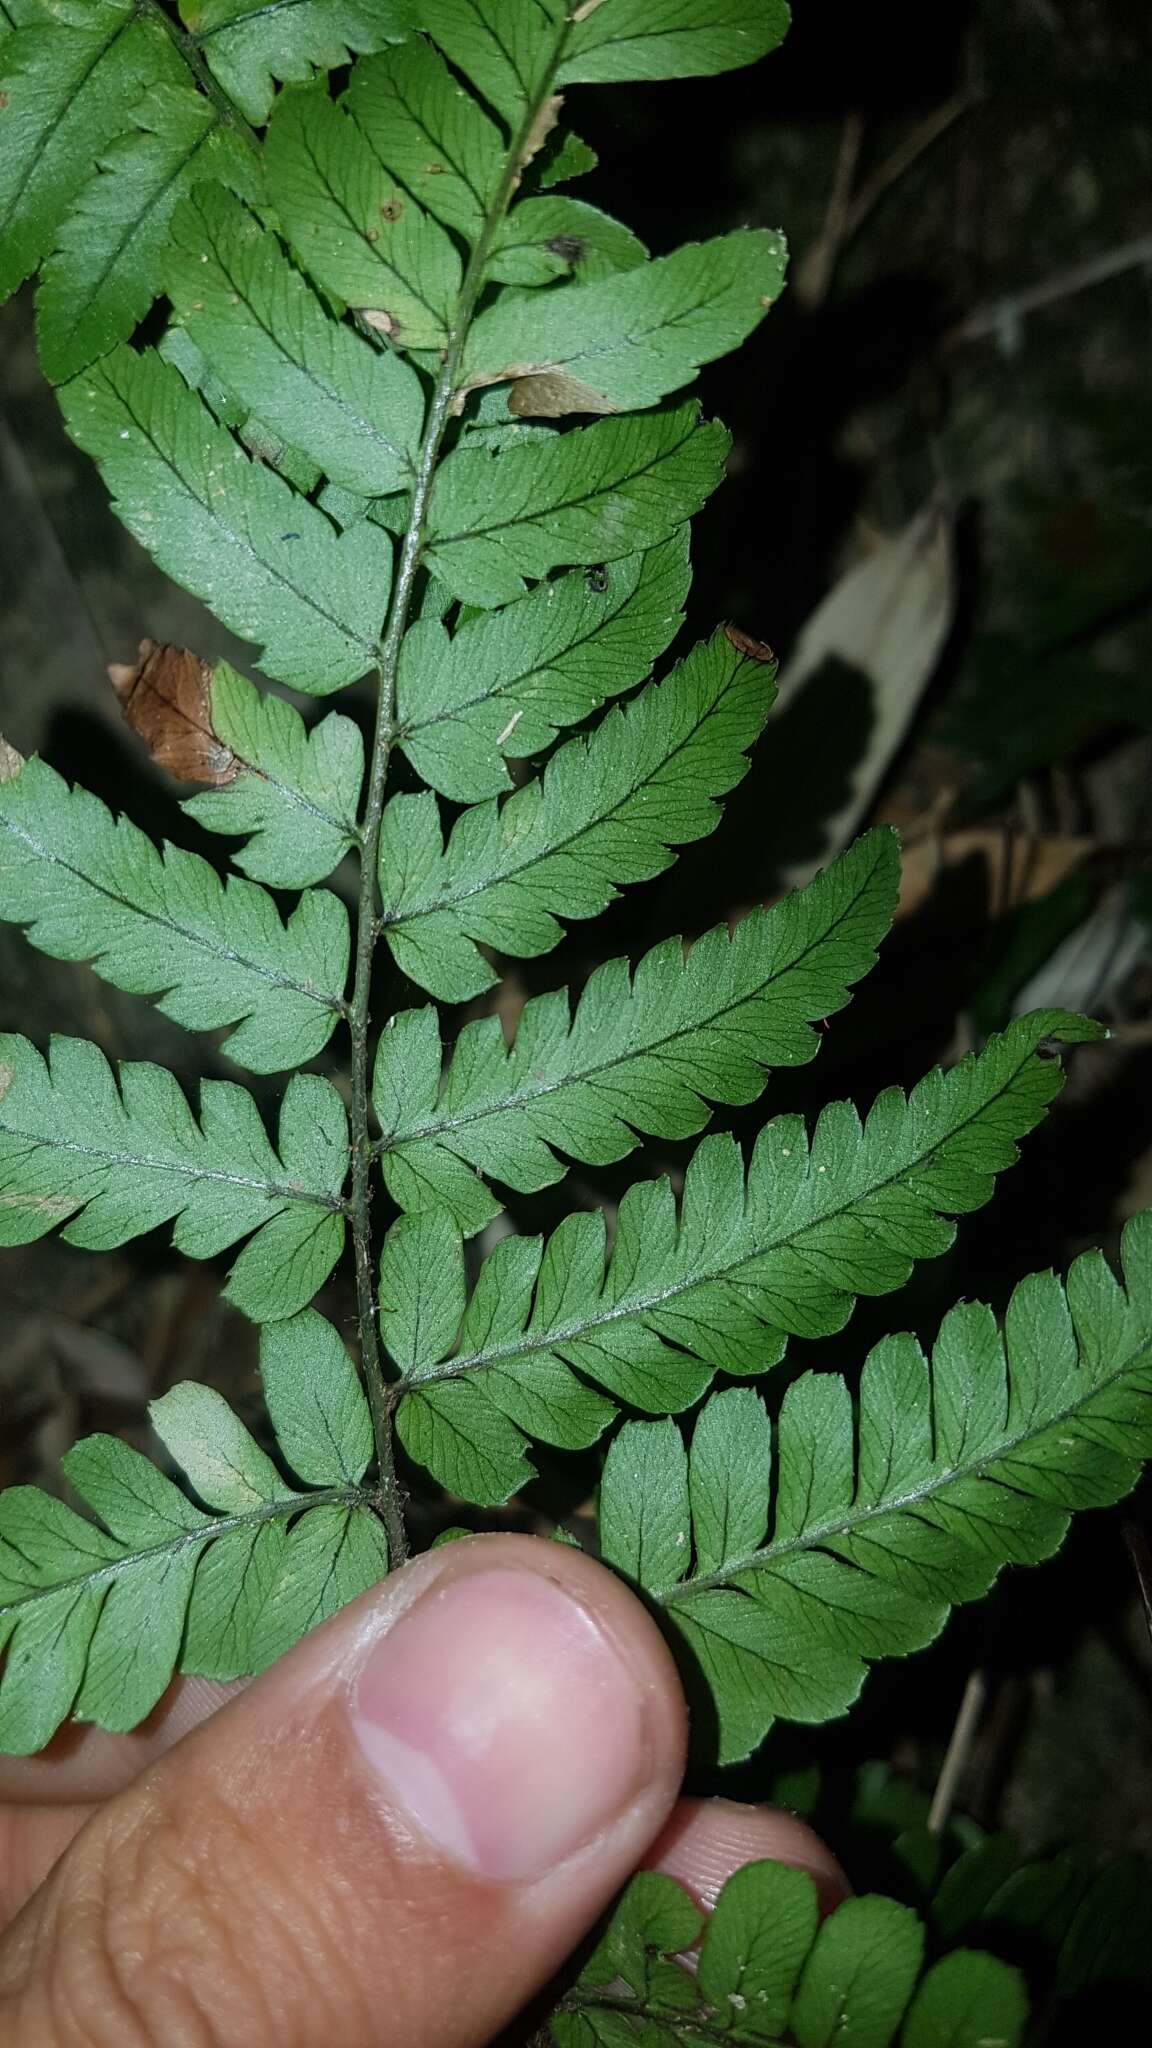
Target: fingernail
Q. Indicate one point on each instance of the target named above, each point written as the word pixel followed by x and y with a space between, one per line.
pixel 501 1719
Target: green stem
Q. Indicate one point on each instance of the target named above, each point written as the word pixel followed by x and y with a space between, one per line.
pixel 702 2027
pixel 382 1396
pixel 185 42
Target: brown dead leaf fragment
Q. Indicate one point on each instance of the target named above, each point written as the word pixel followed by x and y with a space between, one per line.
pixel 756 650
pixel 541 128
pixel 551 394
pixel 10 761
pixel 1020 869
pixel 166 699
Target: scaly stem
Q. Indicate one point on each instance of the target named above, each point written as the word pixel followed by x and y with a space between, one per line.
pixel 382 1397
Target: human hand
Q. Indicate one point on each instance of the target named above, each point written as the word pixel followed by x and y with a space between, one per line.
pixel 392 1839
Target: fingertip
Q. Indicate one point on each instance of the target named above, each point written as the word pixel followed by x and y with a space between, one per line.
pixel 438 1790
pixel 706 1840
pixel 524 1701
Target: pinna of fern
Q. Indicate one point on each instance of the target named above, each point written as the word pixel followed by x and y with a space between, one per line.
pixel 418 414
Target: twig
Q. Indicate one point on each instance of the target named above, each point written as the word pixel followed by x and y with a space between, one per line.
pixel 1139 1032
pixel 901 159
pixel 847 212
pixel 957 1752
pixel 815 272
pixel 1001 315
pixel 1140 1552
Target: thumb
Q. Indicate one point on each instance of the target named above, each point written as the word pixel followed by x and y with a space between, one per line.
pixel 390 1840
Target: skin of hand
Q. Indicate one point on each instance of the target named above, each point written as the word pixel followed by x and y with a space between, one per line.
pixel 391 1839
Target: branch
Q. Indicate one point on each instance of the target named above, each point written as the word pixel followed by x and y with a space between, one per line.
pixel 901 159
pixel 1003 314
pixel 848 210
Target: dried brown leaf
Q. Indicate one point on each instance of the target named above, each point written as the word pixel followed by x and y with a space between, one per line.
pixel 541 128
pixel 550 394
pixel 1021 869
pixel 166 699
pixel 756 650
pixel 10 761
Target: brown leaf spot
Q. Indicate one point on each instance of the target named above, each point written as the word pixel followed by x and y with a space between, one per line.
pixel 166 699
pixel 382 322
pixel 392 208
pixel 10 761
pixel 55 1206
pixel 433 170
pixel 756 650
pixel 541 128
pixel 550 394
pixel 569 248
pixel 3 102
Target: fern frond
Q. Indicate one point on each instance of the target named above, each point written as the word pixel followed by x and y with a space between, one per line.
pixel 249 44
pixel 551 236
pixel 644 1053
pixel 606 811
pixel 355 230
pixel 749 1260
pixel 502 49
pixel 67 85
pixel 770 1971
pixel 588 495
pixel 507 681
pixel 355 412
pixel 95 1617
pixel 562 156
pixel 89 886
pixel 296 791
pixel 112 1155
pixel 625 342
pixel 105 269
pixel 880 1525
pixel 265 560
pixel 429 134
pixel 16 14
pixel 1090 1927
pixel 680 39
